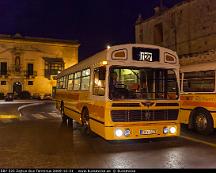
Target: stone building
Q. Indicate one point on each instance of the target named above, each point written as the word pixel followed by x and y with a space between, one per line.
pixel 31 64
pixel 188 28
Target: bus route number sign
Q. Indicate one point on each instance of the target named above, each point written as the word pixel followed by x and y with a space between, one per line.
pixel 145 54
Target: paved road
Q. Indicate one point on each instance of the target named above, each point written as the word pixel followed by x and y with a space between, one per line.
pixel 38 139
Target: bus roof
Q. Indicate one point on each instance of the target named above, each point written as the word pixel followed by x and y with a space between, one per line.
pixel 98 57
pixel 106 54
pixel 205 66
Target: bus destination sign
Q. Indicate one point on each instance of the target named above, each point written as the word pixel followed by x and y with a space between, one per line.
pixel 145 54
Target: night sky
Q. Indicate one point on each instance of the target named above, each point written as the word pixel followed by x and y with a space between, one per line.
pixel 94 23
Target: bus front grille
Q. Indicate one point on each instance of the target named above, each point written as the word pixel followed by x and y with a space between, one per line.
pixel 144 115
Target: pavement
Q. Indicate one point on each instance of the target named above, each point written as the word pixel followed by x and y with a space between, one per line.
pixel 12 109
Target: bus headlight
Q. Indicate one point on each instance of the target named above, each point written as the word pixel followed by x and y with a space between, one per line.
pixel 166 130
pixel 172 130
pixel 127 132
pixel 118 132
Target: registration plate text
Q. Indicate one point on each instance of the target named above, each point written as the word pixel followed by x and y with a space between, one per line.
pixel 147 132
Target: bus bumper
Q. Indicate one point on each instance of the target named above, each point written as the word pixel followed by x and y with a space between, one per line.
pixel 142 131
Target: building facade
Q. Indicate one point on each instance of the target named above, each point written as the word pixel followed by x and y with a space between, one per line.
pixel 31 64
pixel 188 28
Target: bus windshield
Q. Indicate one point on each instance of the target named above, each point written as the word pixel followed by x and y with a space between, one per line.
pixel 142 83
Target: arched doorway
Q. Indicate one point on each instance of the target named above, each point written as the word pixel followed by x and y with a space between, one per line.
pixel 17 88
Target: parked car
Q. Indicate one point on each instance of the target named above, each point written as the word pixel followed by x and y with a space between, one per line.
pixel 47 97
pixel 2 96
pixel 36 96
pixel 9 97
pixel 25 95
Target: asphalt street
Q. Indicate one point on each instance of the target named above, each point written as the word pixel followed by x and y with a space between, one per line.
pixel 35 137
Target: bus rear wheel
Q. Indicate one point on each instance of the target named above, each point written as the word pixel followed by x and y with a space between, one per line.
pixel 203 122
pixel 64 117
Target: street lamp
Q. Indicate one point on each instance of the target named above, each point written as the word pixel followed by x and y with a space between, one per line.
pixel 108 46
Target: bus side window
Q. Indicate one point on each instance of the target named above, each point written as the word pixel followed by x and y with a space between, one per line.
pixel 102 73
pixel 99 81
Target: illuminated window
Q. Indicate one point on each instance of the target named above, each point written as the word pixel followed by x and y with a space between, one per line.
pixel 85 80
pixel 53 66
pixel 77 80
pixel 58 83
pixel 65 82
pixel 201 81
pixel 62 82
pixel 3 82
pixel 142 83
pixel 70 81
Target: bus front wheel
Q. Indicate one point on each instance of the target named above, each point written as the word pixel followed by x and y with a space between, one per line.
pixel 203 122
pixel 85 121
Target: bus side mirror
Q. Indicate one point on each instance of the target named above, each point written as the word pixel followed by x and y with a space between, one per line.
pixel 102 73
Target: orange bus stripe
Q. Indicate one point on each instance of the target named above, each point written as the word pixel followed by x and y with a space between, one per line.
pixel 199 104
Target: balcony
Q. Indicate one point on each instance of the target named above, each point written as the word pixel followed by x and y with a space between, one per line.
pixel 50 72
pixel 4 75
pixel 30 75
pixel 21 73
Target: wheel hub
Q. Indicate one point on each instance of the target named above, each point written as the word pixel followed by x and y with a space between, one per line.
pixel 201 121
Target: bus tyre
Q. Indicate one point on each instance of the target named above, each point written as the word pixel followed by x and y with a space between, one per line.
pixel 85 122
pixel 203 122
pixel 64 117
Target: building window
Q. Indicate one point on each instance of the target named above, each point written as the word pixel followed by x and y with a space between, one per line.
pixel 158 33
pixel 55 68
pixel 3 68
pixel 30 69
pixel 3 82
pixel 30 82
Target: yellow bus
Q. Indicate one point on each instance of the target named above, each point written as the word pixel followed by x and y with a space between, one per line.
pixel 198 97
pixel 128 91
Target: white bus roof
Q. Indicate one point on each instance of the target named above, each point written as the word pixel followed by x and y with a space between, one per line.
pixel 198 67
pixel 106 55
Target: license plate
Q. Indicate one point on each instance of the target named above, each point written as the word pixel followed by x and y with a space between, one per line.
pixel 147 132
